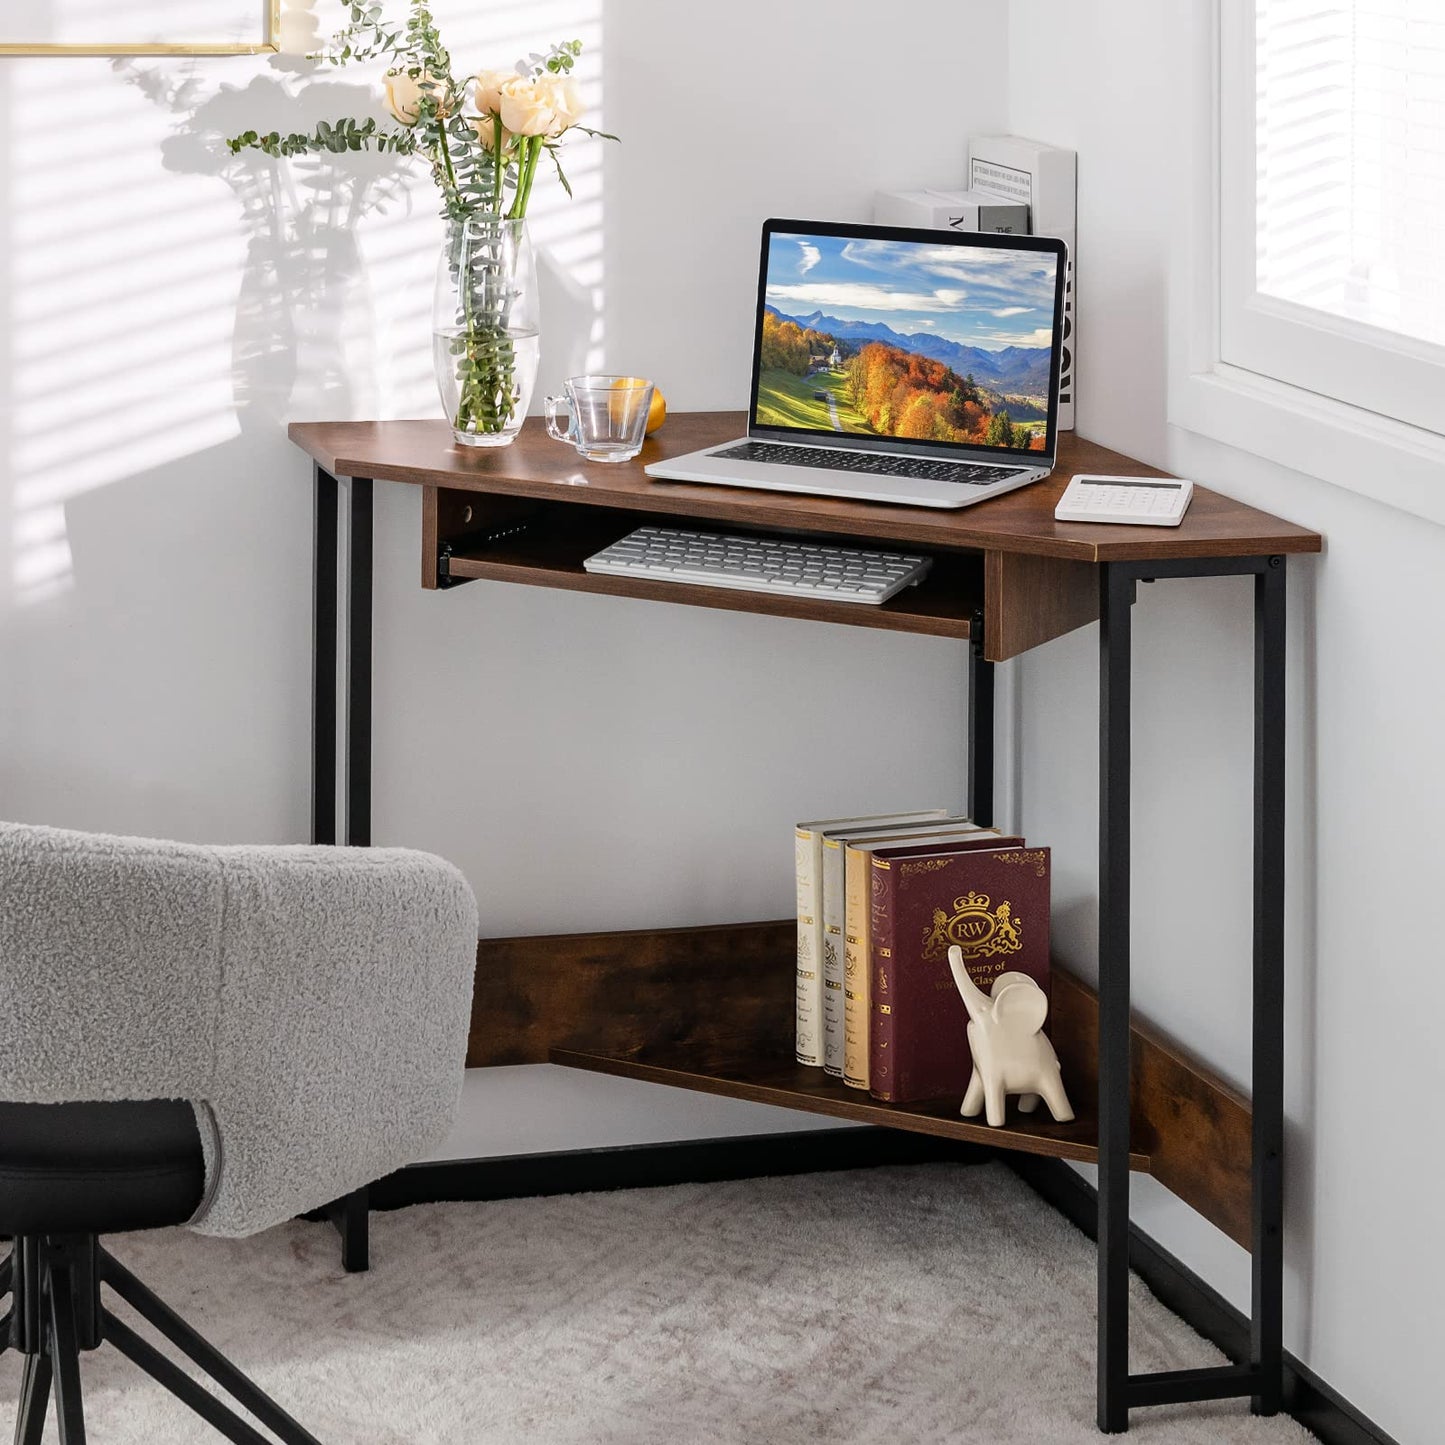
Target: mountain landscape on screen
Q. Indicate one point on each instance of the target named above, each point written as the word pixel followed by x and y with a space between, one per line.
pixel 1013 368
pixel 963 354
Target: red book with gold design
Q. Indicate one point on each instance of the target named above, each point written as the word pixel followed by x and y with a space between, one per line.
pixel 992 899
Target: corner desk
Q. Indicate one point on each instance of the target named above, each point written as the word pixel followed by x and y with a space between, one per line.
pixel 1006 577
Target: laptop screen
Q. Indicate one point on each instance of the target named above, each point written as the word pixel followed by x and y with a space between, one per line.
pixel 909 339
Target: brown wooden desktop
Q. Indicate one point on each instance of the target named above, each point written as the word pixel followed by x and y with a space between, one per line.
pixel 712 1008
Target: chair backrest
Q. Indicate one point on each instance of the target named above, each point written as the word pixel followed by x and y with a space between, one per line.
pixel 313 1003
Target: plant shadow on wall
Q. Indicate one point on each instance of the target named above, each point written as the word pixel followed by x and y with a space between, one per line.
pixel 155 543
pixel 303 339
pixel 484 136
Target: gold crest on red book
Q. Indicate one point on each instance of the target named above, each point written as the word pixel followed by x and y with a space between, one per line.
pixel 978 932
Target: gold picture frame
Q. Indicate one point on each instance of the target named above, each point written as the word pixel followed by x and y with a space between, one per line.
pixel 269 12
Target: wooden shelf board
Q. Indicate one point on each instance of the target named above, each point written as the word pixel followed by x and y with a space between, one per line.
pixel 795 1086
pixel 550 553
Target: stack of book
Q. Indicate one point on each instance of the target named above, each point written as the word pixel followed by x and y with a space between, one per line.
pixel 880 901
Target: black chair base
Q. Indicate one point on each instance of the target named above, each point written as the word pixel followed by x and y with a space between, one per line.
pixel 56 1312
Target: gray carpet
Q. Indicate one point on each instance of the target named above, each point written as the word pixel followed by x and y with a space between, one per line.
pixel 914 1305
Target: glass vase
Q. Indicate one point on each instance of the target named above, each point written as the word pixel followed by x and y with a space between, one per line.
pixel 484 329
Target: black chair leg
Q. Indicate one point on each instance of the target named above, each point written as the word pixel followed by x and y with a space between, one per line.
pixel 200 1350
pixel 170 1375
pixel 58 1313
pixel 34 1400
pixel 65 1354
pixel 7 1271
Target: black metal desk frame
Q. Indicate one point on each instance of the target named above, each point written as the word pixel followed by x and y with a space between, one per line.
pixel 1260 1377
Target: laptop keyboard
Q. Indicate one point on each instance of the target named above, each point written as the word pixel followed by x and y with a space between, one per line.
pixel 877 464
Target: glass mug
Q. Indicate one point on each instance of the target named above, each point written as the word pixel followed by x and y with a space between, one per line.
pixel 606 416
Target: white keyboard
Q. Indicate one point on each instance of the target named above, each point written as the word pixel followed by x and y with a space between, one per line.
pixel 1142 501
pixel 759 564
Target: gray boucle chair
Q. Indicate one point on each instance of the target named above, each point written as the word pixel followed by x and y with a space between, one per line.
pixel 221 1037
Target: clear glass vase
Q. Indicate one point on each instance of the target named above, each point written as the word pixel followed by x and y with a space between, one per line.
pixel 484 329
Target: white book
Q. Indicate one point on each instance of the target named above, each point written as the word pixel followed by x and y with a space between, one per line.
pixel 811 951
pixel 835 945
pixel 951 211
pixel 834 956
pixel 1045 178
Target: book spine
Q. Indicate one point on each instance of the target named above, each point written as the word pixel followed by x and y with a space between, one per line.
pixel 881 1080
pixel 855 968
pixel 809 1044
pixel 833 956
pixel 1008 219
pixel 1067 386
pixel 1045 179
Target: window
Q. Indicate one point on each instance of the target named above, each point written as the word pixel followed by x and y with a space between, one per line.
pixel 1332 200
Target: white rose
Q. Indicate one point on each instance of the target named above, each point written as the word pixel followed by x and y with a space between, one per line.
pixel 404 94
pixel 564 96
pixel 488 92
pixel 526 107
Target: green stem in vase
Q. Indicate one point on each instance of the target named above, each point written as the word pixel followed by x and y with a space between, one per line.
pixel 486 365
pixel 499 166
pixel 530 150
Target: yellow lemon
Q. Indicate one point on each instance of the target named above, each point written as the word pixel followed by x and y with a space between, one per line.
pixel 619 407
pixel 656 412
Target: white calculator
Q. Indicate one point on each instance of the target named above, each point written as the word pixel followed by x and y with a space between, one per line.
pixel 1140 501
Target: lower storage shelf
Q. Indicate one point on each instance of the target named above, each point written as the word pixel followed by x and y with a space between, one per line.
pixel 711 1009
pixel 796 1086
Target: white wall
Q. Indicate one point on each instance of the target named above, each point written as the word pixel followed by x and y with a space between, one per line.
pixel 590 762
pixel 1366 1279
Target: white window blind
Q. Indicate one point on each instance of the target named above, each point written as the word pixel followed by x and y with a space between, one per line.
pixel 1332 200
pixel 1350 177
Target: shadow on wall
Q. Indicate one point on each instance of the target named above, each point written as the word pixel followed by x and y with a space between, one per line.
pixel 331 313
pixel 155 542
pixel 304 336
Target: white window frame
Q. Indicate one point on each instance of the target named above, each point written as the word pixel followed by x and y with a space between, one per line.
pixel 1276 407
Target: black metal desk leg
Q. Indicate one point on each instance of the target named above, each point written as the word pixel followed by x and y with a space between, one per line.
pixel 350 1214
pixel 323 677
pixel 1267 1312
pixel 358 665
pixel 980 728
pixel 1115 599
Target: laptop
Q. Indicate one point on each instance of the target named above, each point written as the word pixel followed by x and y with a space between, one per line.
pixel 896 365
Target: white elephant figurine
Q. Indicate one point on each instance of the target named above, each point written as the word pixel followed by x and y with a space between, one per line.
pixel 1010 1055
